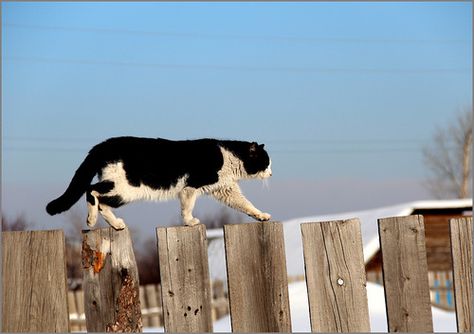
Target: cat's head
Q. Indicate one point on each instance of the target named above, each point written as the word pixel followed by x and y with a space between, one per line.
pixel 257 163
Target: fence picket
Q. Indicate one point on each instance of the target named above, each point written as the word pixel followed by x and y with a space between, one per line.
pixel 111 288
pixel 461 247
pixel 185 285
pixel 335 276
pixel 35 296
pixel 34 290
pixel 257 277
pixel 144 305
pixel 405 274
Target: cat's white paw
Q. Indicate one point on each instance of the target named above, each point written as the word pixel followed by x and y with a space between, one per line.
pixel 91 219
pixel 91 222
pixel 192 222
pixel 263 216
pixel 118 224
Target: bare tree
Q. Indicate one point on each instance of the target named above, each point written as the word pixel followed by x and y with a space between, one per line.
pixel 19 224
pixel 74 223
pixel 148 262
pixel 222 217
pixel 448 158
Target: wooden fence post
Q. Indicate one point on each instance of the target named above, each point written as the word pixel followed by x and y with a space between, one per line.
pixel 405 274
pixel 257 277
pixel 461 247
pixel 185 285
pixel 144 306
pixel 335 276
pixel 34 290
pixel 111 288
pixel 150 299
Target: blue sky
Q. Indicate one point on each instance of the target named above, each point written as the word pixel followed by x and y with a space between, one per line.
pixel 342 94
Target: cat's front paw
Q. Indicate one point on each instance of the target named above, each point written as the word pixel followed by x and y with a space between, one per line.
pixel 192 222
pixel 263 216
pixel 118 224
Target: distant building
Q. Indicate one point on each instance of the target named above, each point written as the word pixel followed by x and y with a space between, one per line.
pixel 436 214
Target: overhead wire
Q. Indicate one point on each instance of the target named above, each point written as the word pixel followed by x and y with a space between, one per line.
pixel 197 35
pixel 290 69
pixel 275 146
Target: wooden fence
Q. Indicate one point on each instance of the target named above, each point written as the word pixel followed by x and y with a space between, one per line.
pixel 35 296
pixel 150 304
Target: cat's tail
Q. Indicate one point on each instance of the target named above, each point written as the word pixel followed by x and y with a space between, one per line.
pixel 78 186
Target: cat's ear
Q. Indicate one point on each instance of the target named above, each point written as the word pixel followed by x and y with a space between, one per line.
pixel 253 147
pixel 261 146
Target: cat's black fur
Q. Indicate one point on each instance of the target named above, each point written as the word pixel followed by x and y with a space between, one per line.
pixel 158 164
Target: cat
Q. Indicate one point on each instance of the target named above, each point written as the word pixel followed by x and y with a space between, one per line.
pixel 133 168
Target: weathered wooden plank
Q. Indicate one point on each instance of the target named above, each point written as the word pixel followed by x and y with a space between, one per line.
pixel 34 290
pixel 111 288
pixel 405 273
pixel 461 245
pixel 220 304
pixel 335 276
pixel 73 313
pixel 185 285
pixel 257 277
pixel 160 305
pixel 79 294
pixel 152 300
pixel 144 306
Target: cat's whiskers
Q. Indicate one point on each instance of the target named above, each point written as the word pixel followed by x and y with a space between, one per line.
pixel 266 183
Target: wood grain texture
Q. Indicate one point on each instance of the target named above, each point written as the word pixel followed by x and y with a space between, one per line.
pixel 111 287
pixel 257 277
pixel 461 245
pixel 34 290
pixel 184 270
pixel 335 276
pixel 405 273
pixel 152 300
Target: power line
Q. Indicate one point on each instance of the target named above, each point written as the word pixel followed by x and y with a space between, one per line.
pixel 292 69
pixel 349 151
pixel 373 141
pixel 270 38
pixel 48 139
pixel 280 146
pixel 276 151
pixel 43 149
pixel 267 140
pixel 293 146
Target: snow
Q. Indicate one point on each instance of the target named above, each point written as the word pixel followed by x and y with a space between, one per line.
pixel 442 321
pixel 369 227
pixel 292 233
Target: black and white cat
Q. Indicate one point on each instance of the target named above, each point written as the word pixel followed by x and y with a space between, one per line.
pixel 131 168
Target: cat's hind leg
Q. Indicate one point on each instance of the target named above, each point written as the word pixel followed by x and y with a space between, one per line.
pixel 106 201
pixel 92 197
pixel 187 197
pixel 92 207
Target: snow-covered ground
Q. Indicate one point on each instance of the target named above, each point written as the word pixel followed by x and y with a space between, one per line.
pixel 442 321
pixel 292 233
